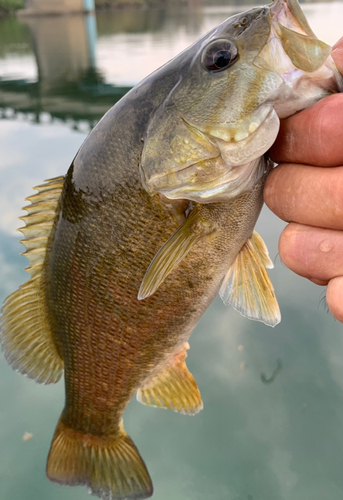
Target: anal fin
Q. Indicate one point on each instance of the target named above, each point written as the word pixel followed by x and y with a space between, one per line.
pixel 247 286
pixel 173 388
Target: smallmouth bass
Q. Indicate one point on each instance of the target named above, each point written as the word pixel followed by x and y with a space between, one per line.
pixel 154 217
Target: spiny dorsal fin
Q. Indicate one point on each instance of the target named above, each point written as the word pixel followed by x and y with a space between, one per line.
pixel 110 466
pixel 247 286
pixel 25 335
pixel 172 253
pixel 174 387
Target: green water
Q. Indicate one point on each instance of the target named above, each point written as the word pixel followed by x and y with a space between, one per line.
pixel 254 440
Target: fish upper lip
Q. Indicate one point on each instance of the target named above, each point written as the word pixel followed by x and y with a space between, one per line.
pixel 207 134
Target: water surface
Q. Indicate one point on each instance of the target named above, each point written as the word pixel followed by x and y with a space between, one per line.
pixel 271 428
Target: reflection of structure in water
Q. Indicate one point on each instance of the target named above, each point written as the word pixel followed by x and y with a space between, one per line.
pixel 86 100
pixel 41 7
pixel 64 47
pixel 68 87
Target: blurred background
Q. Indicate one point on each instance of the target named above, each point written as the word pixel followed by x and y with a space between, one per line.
pixel 271 428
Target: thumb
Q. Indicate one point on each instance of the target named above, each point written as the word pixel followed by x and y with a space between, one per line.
pixel 337 54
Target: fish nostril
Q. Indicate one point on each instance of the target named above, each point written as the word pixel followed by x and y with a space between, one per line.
pixel 264 11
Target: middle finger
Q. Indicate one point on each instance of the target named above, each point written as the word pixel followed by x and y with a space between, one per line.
pixel 306 194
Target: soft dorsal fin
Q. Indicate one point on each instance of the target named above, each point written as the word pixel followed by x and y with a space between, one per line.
pixel 174 387
pixel 25 334
pixel 173 252
pixel 247 286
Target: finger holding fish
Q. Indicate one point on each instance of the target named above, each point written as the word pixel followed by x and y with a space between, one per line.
pixel 322 121
pixel 334 297
pixel 311 252
pixel 306 194
pixel 309 192
pixel 311 137
pixel 337 54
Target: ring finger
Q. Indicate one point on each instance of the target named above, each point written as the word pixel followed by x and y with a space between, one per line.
pixel 311 252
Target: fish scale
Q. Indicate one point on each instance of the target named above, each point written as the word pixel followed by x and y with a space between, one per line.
pixel 155 216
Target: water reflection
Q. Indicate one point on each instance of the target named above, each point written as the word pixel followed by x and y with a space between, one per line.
pixel 68 86
pixel 76 67
pixel 64 48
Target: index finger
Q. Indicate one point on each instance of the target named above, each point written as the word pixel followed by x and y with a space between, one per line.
pixel 314 136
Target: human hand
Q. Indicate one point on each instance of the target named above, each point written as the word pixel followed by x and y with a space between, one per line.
pixel 306 189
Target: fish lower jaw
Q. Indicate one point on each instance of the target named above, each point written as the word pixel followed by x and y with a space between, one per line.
pixel 236 181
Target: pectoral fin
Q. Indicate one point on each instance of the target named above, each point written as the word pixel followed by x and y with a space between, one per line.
pixel 172 253
pixel 247 286
pixel 173 388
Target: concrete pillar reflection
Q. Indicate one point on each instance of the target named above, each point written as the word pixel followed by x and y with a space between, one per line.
pixel 37 7
pixel 64 47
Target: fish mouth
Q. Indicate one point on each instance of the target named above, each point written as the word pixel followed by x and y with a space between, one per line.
pixel 289 13
pixel 234 135
pixel 253 129
pixel 292 45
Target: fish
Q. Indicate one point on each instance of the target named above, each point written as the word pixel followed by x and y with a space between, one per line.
pixel 154 217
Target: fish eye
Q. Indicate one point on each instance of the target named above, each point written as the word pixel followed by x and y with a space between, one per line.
pixel 219 55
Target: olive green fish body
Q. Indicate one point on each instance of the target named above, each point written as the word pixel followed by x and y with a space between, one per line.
pixel 106 237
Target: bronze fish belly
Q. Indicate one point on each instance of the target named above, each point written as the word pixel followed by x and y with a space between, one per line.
pixel 155 216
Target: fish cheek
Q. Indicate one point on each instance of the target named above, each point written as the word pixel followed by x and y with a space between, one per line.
pixel 170 147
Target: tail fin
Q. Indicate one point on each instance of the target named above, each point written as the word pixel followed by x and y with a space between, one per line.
pixel 111 467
